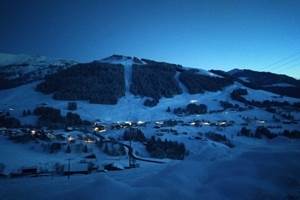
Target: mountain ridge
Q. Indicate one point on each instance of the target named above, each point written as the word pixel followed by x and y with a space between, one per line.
pixel 143 77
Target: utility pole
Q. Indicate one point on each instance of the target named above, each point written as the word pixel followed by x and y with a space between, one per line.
pixel 130 148
pixel 69 168
pixel 130 152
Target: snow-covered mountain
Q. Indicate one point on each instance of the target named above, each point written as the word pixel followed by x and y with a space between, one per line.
pixel 229 131
pixel 20 69
pixel 277 83
pixel 123 87
pixel 117 76
pixel 143 77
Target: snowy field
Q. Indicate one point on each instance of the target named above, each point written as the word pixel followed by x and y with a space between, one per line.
pixel 253 170
pixel 129 107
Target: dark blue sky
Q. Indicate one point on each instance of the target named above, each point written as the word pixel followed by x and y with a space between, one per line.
pixel 208 34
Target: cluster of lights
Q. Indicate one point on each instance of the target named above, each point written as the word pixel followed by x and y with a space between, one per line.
pixel 70 138
pixel 97 129
pixel 193 123
pixel 33 132
pixel 193 101
pixel 159 123
pixel 222 123
pixel 140 122
pixel 206 123
pixel 89 140
pixel 51 136
pixel 129 123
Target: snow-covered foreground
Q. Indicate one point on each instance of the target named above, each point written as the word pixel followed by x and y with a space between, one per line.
pixel 256 169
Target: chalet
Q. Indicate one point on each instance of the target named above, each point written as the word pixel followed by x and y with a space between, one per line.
pixel 69 129
pixel 98 127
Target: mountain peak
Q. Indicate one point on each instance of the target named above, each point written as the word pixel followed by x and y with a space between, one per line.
pixel 121 59
pixel 234 71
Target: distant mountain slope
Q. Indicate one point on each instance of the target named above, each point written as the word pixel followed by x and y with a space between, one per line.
pixel 197 82
pixel 107 80
pixel 16 70
pixel 97 82
pixel 142 77
pixel 155 80
pixel 276 83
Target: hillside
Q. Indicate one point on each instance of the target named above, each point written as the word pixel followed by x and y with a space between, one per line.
pixel 16 70
pixel 276 83
pixel 124 126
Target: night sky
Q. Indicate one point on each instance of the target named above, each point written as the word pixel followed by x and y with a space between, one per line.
pixel 255 34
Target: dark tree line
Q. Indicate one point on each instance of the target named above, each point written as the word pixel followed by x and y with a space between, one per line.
pixel 97 82
pixel 198 83
pixel 238 94
pixel 51 117
pixel 227 105
pixel 266 81
pixel 134 134
pixel 260 132
pixel 191 109
pixel 11 76
pixel 219 138
pixel 72 106
pixel 165 149
pixel 9 122
pixel 49 114
pixel 295 134
pixel 154 80
pixel 287 91
pixel 26 112
pixel 150 102
pixel 6 83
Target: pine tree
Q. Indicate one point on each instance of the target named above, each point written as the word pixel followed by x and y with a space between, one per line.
pixel 113 151
pixel 106 150
pixel 68 149
pixel 85 149
pixel 121 150
pixel 168 109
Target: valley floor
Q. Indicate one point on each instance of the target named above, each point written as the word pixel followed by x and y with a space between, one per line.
pixel 255 169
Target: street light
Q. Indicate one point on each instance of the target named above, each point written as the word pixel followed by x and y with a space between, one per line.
pixel 70 139
pixel 33 132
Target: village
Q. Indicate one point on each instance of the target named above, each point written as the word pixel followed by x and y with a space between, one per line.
pixel 80 145
pixel 74 139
